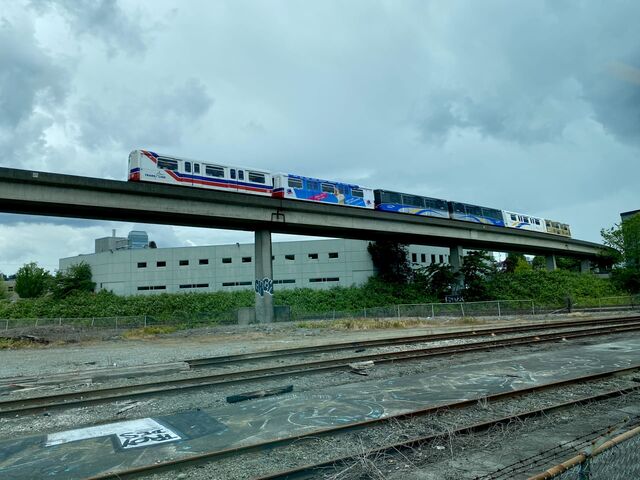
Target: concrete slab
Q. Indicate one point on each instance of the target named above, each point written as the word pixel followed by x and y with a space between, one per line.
pixel 116 447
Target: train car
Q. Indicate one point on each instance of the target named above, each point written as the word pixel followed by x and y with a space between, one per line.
pixel 388 201
pixel 557 228
pixel 297 187
pixel 476 214
pixel 148 166
pixel 523 222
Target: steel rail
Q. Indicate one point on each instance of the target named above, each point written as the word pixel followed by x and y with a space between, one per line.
pixel 334 347
pixel 267 445
pixel 91 397
pixel 405 340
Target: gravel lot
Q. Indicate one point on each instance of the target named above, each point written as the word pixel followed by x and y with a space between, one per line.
pixel 112 351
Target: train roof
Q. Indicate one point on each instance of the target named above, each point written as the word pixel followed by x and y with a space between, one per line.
pixel 206 162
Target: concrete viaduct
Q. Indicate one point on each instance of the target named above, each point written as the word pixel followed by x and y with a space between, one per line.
pixel 41 193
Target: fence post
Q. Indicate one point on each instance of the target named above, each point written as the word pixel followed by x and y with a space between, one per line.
pixel 59 321
pixel 433 313
pixel 499 313
pixel 145 321
pixel 6 327
pixel 533 307
pixel 365 312
pixel 334 314
pixel 36 322
pixel 462 309
pixel 116 324
pixel 398 307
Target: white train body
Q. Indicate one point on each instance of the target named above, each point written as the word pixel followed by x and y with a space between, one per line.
pixel 523 222
pixel 147 166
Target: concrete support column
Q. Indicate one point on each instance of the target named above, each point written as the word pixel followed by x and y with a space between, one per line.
pixel 264 277
pixel 585 266
pixel 455 259
pixel 551 262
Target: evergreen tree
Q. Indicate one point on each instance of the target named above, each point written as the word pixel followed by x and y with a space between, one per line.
pixel 391 261
pixel 77 278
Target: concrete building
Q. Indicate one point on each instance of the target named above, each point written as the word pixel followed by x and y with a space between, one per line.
pixel 300 264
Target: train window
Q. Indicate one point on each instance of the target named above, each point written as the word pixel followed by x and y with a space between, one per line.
pixel 442 205
pixel 412 200
pixel 458 208
pixel 391 197
pixel 295 182
pixel 315 186
pixel 232 173
pixel 240 174
pixel 492 213
pixel 196 168
pixel 256 177
pixel 212 171
pixel 514 218
pixel 473 210
pixel 327 187
pixel 167 164
pixel 537 221
pixel 356 192
pixel 187 167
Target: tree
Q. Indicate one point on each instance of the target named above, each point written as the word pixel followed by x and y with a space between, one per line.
pixel 390 259
pixel 624 241
pixel 437 279
pixel 4 294
pixel 539 263
pixel 32 281
pixel 515 262
pixel 477 267
pixel 77 278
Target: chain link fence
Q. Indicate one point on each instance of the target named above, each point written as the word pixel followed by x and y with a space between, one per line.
pixel 616 459
pixel 495 308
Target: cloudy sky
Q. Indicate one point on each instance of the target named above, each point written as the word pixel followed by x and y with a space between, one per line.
pixel 532 106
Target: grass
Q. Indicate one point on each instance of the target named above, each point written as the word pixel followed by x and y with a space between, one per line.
pixel 147 332
pixel 361 324
pixel 16 343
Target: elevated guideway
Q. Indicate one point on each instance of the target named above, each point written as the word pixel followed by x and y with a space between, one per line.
pixel 41 193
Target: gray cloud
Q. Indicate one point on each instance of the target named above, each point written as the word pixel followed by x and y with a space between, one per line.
pixel 159 115
pixel 102 19
pixel 32 87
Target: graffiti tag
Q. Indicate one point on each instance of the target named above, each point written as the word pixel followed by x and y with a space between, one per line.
pixel 264 286
pixel 142 438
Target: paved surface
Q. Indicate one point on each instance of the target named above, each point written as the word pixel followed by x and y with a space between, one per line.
pixel 90 451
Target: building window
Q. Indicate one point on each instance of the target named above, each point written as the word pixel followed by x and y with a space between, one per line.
pixel 142 264
pixel 313 256
pixel 324 279
pixel 423 258
pixel 433 258
pixel 161 263
pixel 203 261
pixel 226 260
pixel 143 288
pixel 246 259
pixel 155 287
pixel 290 257
pixel 184 263
pixel 333 254
pixel 414 257
pixel 277 282
pixel 236 284
pixel 441 258
pixel 195 285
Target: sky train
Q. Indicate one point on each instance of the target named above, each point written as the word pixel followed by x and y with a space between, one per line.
pixel 147 166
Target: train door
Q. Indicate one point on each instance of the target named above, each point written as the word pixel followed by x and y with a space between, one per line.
pixel 188 173
pixel 233 175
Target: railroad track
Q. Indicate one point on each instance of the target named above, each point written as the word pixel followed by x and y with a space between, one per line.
pixel 222 361
pixel 405 340
pixel 96 396
pixel 306 471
